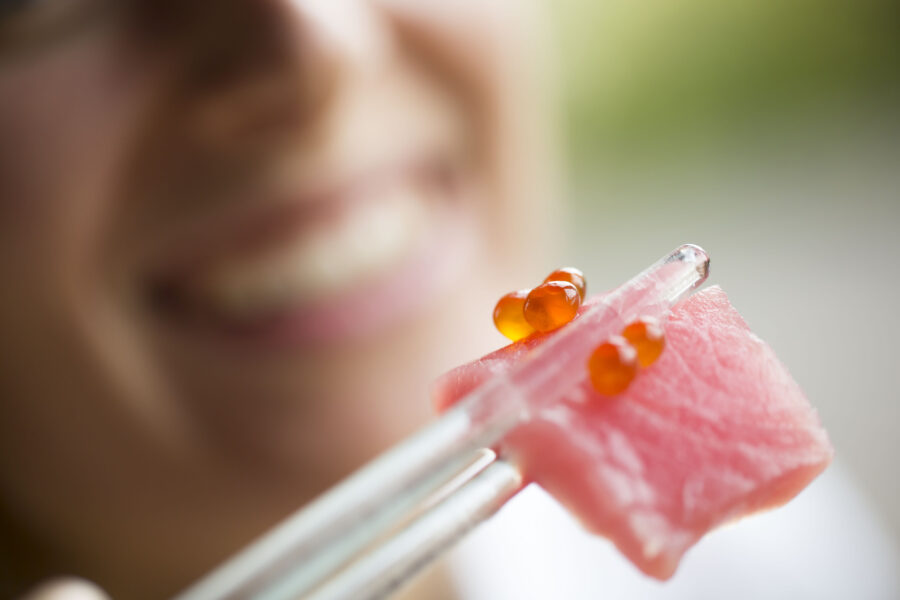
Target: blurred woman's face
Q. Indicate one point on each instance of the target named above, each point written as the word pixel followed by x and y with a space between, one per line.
pixel 237 239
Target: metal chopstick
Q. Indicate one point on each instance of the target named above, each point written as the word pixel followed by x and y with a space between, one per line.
pixel 389 565
pixel 342 522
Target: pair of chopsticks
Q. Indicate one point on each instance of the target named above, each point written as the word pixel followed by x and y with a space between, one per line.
pixel 372 532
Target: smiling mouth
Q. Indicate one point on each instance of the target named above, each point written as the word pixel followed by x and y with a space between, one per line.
pixel 344 265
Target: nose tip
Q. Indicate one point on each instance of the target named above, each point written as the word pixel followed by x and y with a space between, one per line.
pixel 262 68
pixel 350 29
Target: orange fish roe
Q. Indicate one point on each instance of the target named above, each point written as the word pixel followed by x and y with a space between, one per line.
pixel 551 305
pixel 648 339
pixel 612 366
pixel 573 276
pixel 509 316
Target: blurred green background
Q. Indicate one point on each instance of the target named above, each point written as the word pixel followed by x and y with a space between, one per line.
pixel 647 79
pixel 767 132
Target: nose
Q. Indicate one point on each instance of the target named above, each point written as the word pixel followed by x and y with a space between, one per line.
pixel 253 70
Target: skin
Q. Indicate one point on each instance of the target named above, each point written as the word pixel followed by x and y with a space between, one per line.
pixel 134 451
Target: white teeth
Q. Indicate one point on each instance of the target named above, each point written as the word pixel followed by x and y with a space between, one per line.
pixel 370 237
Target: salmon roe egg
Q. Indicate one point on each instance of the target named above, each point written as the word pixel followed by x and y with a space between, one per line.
pixel 612 366
pixel 551 305
pixel 573 276
pixel 509 316
pixel 648 339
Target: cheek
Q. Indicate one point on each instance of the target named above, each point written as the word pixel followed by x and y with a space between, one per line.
pixel 66 117
pixel 493 55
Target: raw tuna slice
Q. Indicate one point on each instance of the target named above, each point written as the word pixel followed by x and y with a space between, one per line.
pixel 716 429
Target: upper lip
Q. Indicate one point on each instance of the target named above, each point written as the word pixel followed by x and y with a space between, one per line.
pixel 243 227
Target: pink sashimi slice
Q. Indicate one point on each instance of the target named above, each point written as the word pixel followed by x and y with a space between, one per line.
pixel 716 429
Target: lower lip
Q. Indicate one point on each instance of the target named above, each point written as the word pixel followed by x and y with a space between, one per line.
pixel 359 313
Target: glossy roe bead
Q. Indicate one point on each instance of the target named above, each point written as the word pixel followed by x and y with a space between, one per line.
pixel 573 276
pixel 648 339
pixel 612 366
pixel 551 305
pixel 509 316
